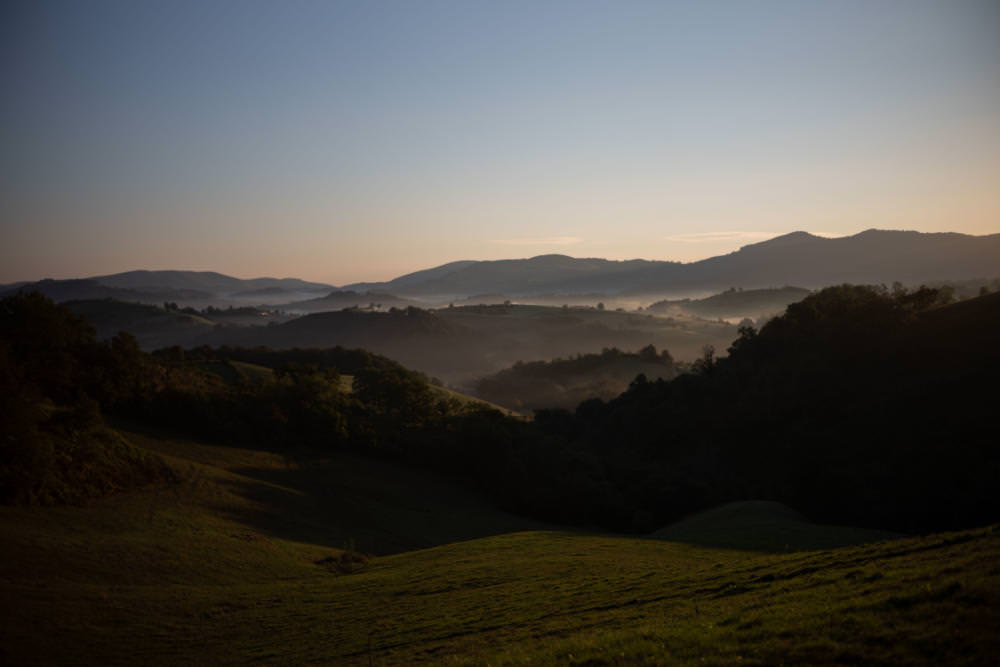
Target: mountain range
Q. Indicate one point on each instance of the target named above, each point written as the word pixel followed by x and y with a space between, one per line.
pixel 798 258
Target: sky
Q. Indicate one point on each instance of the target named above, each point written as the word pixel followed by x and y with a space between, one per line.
pixel 350 141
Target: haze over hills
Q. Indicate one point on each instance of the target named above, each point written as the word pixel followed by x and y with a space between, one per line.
pixel 89 288
pixel 733 303
pixel 340 299
pixel 199 288
pixel 207 281
pixel 799 258
pixel 152 326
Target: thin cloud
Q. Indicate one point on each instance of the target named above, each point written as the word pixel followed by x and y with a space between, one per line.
pixel 545 240
pixel 708 237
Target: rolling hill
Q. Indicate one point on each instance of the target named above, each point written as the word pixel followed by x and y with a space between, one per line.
pixel 733 304
pixel 874 256
pixel 799 258
pixel 188 288
pixel 61 291
pixel 565 383
pixel 764 526
pixel 205 281
pixel 152 326
pixel 231 565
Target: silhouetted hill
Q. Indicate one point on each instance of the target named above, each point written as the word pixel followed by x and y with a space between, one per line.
pixel 856 406
pixel 415 278
pixel 417 338
pixel 185 287
pixel 765 526
pixel 463 343
pixel 87 288
pixel 799 258
pixel 733 303
pixel 519 277
pixel 206 281
pixel 565 383
pixel 871 257
pixel 152 326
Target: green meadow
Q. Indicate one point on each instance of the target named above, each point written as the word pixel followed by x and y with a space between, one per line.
pixel 243 561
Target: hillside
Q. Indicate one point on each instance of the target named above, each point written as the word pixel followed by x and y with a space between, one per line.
pixel 799 258
pixel 152 326
pixel 205 281
pixel 461 344
pixel 232 566
pixel 326 505
pixel 733 304
pixel 870 257
pixel 188 288
pixel 507 334
pixel 88 289
pixel 763 526
pixel 852 406
pixel 565 383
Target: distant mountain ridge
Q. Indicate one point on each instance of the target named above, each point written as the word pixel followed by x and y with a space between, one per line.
pixel 800 258
pixel 188 287
pixel 207 281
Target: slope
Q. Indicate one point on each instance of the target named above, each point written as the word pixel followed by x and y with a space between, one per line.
pixel 206 281
pixel 758 525
pixel 734 304
pixel 152 326
pixel 87 289
pixel 228 568
pixel 799 258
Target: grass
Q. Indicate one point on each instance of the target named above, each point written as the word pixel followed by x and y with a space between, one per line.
pixel 766 527
pixel 228 568
pixel 235 371
pixel 347 385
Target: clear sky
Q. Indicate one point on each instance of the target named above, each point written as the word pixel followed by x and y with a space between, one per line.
pixel 345 141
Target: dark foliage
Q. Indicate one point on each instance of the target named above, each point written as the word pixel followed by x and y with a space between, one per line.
pixel 564 383
pixel 54 445
pixel 857 406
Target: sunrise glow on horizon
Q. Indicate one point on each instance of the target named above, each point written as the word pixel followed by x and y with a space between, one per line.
pixel 358 141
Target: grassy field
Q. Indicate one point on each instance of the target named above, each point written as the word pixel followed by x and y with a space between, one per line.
pixel 231 566
pixel 347 384
pixel 235 371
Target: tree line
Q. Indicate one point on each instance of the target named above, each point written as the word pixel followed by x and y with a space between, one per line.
pixel 858 405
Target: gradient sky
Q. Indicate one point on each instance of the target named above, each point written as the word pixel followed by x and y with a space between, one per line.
pixel 345 141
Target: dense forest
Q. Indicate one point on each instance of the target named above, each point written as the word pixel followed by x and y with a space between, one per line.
pixel 858 405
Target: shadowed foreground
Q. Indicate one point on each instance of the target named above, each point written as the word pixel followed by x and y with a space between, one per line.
pixel 199 572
